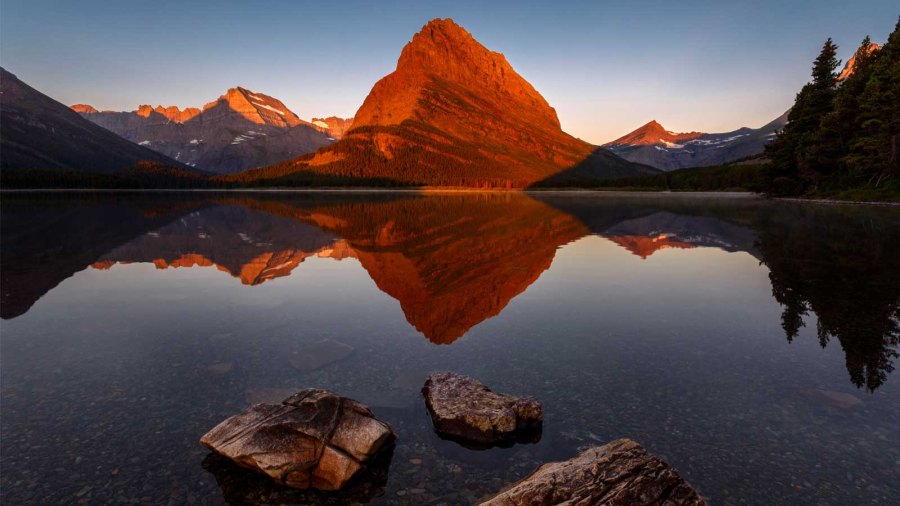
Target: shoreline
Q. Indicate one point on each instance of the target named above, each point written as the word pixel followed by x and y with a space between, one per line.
pixel 433 190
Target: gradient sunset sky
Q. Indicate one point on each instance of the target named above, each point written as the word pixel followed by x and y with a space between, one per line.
pixel 607 67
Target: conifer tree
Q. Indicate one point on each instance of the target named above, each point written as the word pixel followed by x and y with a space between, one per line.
pixel 874 154
pixel 792 170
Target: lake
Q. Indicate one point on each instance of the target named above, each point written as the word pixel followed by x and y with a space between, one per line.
pixel 749 343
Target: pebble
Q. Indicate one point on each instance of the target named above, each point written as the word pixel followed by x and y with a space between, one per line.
pixel 415 462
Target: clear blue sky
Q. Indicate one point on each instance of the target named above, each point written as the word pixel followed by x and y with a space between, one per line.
pixel 607 67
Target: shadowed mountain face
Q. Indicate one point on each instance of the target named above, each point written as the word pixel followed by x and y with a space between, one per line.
pixel 240 130
pixel 454 113
pixel 657 147
pixel 41 133
pixel 454 260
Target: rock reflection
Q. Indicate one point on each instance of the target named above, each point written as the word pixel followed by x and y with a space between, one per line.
pixel 244 486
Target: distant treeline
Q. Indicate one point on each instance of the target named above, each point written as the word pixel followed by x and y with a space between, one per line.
pixel 743 177
pixel 146 175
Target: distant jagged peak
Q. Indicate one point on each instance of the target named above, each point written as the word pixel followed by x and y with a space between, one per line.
pixel 84 109
pixel 256 107
pixel 851 63
pixel 177 115
pixel 171 113
pixel 653 133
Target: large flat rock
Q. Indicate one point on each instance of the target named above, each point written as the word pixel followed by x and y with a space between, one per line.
pixel 314 438
pixel 465 410
pixel 617 473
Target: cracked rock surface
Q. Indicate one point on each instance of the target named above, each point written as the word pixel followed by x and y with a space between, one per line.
pixel 314 438
pixel 620 472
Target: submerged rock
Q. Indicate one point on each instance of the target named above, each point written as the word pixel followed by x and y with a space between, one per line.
pixel 620 472
pixel 465 410
pixel 314 438
pixel 220 368
pixel 840 400
pixel 318 355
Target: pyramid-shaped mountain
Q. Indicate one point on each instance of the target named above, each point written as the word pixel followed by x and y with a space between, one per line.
pixel 455 113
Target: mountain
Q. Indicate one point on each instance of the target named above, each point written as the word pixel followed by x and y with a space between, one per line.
pixel 333 126
pixel 657 147
pixel 242 129
pixel 41 133
pixel 454 113
pixel 851 63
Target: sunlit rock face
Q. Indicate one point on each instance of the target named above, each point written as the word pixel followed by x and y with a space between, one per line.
pixel 333 126
pixel 654 133
pixel 850 66
pixel 239 130
pixel 171 113
pixel 454 113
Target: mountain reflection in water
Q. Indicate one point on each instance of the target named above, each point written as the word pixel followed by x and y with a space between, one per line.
pixel 454 260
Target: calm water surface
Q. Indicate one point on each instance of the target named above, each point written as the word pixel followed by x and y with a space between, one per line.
pixel 749 343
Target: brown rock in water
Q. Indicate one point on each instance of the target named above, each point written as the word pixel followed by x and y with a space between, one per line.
pixel 318 355
pixel 465 410
pixel 314 438
pixel 834 399
pixel 620 472
pixel 220 368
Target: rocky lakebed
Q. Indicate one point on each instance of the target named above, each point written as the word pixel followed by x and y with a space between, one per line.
pixel 318 439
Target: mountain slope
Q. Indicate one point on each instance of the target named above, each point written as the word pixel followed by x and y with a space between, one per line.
pixel 240 130
pixel 850 66
pixel 333 126
pixel 657 147
pixel 454 113
pixel 41 133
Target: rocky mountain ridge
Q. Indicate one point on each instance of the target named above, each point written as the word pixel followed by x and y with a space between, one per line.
pixel 240 130
pixel 657 147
